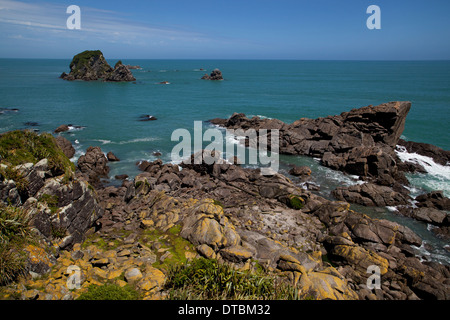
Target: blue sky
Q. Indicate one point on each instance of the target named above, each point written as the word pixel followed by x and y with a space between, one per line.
pixel 231 29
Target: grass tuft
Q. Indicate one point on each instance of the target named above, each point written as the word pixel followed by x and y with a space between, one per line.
pixel 207 279
pixel 109 292
pixel 15 235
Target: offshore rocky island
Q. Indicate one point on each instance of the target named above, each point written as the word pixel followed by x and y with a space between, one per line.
pixel 253 236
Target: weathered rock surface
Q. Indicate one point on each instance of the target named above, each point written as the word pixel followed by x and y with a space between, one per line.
pixel 435 199
pixel 62 210
pixel 66 146
pixel 300 171
pixel 369 194
pixel 93 165
pixel 112 157
pixel 91 65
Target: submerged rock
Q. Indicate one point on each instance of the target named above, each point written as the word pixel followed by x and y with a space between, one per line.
pixel 216 74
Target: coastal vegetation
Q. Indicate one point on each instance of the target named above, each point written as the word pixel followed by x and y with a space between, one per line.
pixel 207 279
pixel 15 236
pixel 21 146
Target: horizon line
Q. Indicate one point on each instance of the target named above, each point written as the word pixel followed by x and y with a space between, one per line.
pixel 245 59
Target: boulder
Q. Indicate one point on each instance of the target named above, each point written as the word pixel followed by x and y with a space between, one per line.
pixel 120 73
pixel 112 157
pixel 359 142
pixel 369 194
pixel 326 285
pixel 430 215
pixel 66 146
pixel 236 254
pixel 300 171
pixel 206 224
pixel 61 128
pixel 93 164
pixel 435 199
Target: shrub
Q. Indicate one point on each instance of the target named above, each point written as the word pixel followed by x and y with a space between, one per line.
pixel 15 234
pixel 51 201
pixel 207 279
pixel 19 147
pixel 109 292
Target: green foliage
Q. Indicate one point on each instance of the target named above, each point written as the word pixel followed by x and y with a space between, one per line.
pixel 15 234
pixel 207 279
pixel 19 147
pixel 218 203
pixel 84 57
pixel 170 240
pixel 109 292
pixel 296 202
pixel 12 174
pixel 51 201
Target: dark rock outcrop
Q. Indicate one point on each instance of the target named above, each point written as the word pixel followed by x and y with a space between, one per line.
pixel 91 66
pixel 66 146
pixel 369 194
pixel 359 142
pixel 62 128
pixel 93 165
pixel 300 171
pixel 216 74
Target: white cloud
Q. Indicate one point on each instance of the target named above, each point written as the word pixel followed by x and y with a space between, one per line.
pixel 95 23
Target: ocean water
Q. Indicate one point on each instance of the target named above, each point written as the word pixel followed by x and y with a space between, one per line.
pixel 107 114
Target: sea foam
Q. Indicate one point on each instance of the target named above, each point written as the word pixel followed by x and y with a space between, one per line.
pixel 437 177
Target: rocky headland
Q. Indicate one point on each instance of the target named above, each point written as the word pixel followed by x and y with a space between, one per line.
pixel 132 235
pixel 91 65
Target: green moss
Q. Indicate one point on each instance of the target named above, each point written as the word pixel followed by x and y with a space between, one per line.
pixel 109 292
pixel 172 241
pixel 218 203
pixel 83 58
pixel 19 147
pixel 296 202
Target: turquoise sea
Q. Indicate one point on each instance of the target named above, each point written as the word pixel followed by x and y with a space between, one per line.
pixel 107 114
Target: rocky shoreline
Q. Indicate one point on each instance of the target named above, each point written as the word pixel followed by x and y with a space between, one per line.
pixel 170 214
